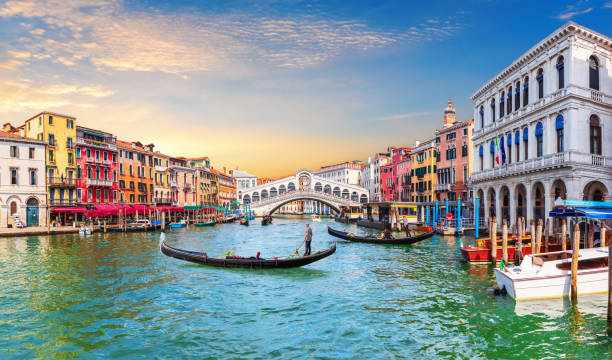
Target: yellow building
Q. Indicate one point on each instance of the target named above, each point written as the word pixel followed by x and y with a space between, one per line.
pixel 161 168
pixel 59 131
pixel 423 173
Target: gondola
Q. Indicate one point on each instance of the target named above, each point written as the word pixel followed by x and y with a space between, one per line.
pixel 252 263
pixel 266 220
pixel 375 240
pixel 208 223
pixel 244 222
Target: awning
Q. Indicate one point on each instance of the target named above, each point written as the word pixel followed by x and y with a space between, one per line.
pixel 192 207
pixel 68 210
pixel 589 213
pixel 236 202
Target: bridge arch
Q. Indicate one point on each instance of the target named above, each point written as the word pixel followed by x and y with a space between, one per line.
pixel 282 189
pixel 327 189
pixel 264 194
pixel 336 191
pixel 273 192
pixel 318 187
pixel 291 186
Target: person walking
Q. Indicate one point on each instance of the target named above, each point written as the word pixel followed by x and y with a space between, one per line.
pixel 307 239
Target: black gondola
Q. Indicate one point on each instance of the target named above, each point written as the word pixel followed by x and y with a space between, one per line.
pixel 244 222
pixel 266 220
pixel 375 240
pixel 252 263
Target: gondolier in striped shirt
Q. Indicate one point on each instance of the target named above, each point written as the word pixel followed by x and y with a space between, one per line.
pixel 307 239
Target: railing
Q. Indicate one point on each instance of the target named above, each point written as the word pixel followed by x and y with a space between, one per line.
pixel 442 187
pixel 566 158
pixel 173 183
pixel 94 143
pixel 187 185
pixel 99 161
pixel 99 182
pixel 597 96
pixel 62 202
pixel 59 181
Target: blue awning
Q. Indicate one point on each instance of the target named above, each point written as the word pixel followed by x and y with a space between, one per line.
pixel 518 90
pixel 525 133
pixel 492 147
pixel 526 86
pixel 517 137
pixel 480 151
pixel 539 129
pixel 509 139
pixel 596 213
pixel 560 66
pixel 501 142
pixel 559 122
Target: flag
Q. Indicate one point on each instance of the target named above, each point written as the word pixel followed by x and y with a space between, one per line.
pixel 496 150
pixel 503 150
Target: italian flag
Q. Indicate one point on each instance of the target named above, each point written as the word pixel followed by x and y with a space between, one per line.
pixel 497 150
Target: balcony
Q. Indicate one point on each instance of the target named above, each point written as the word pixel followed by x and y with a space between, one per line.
pixel 551 161
pixel 65 202
pixel 99 161
pixel 96 144
pixel 99 182
pixel 52 143
pixel 173 183
pixel 442 187
pixel 58 181
pixel 186 185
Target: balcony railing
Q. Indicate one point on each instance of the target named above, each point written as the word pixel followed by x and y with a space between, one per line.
pixel 55 202
pixel 173 183
pixel 99 182
pixel 442 187
pixel 95 143
pixel 60 182
pixel 566 158
pixel 99 161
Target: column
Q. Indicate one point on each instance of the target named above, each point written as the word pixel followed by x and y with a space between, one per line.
pixel 485 203
pixel 570 117
pixel 528 203
pixel 511 189
pixel 498 202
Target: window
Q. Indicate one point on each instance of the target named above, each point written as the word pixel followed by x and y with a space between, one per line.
pixel 70 158
pixel 493 110
pixel 32 153
pixel 51 140
pixel 559 128
pixel 464 151
pixel 89 172
pixel 33 179
pixel 51 158
pixel 517 97
pixel 560 72
pixel 88 153
pixel 526 142
pixel 114 157
pixel 78 152
pixel 593 73
pixel 539 140
pixel 509 152
pixel 465 132
pixel 105 157
pixel 509 100
pixel 595 135
pixel 89 197
pixel 501 104
pixel 98 199
pixel 78 172
pixel 14 152
pixel 50 120
pixel 492 151
pixel 114 175
pixel 98 173
pixel 540 79
pixel 525 91
pixel 14 177
pixel 517 138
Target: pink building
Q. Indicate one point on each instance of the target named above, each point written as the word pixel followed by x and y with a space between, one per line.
pixel 454 157
pixel 392 182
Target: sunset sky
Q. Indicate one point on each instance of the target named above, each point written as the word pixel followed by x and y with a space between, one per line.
pixel 266 86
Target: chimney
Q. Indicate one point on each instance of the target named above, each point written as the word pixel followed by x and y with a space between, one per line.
pixel 224 170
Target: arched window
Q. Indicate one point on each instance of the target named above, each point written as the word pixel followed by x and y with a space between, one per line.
pixel 493 109
pixel 540 79
pixel 509 100
pixel 273 192
pixel 593 73
pixel 327 189
pixel 482 117
pixel 318 187
pixel 354 196
pixel 481 154
pixel 517 96
pixel 526 142
pixel 509 144
pixel 501 104
pixel 282 189
pixel 525 92
pixel 363 199
pixel 345 194
pixel 246 199
pixel 595 133
pixel 291 187
pixel 255 196
pixel 517 140
pixel 337 191
pixel 264 194
pixel 559 128
pixel 539 130
pixel 560 72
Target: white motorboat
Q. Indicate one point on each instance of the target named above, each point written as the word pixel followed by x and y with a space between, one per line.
pixel 84 230
pixel 548 275
pixel 315 217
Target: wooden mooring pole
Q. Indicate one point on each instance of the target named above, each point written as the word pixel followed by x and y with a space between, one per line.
pixel 547 234
pixel 518 251
pixel 163 221
pixel 563 234
pixel 591 234
pixel 575 249
pixel 493 238
pixel 532 237
pixel 539 237
pixel 505 242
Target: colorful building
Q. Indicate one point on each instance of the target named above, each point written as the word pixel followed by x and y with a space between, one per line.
pixel 423 171
pixel 207 190
pixel 59 131
pixel 135 172
pixel 182 182
pixel 454 163
pixel 23 193
pixel 162 191
pixel 227 188
pixel 96 167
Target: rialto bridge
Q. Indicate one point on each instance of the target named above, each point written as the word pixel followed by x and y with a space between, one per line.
pixel 303 185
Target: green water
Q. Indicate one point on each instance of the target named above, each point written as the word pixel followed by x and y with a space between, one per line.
pixel 115 296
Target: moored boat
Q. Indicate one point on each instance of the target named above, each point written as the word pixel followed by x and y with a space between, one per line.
pixel 481 253
pixel 244 222
pixel 315 217
pixel 206 223
pixel 251 262
pixel 375 240
pixel 548 275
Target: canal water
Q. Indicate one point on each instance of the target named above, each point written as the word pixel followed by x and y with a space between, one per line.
pixel 116 296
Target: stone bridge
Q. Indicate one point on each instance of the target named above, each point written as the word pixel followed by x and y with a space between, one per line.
pixel 304 185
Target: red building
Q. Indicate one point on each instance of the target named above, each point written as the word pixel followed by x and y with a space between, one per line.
pixel 96 162
pixel 395 176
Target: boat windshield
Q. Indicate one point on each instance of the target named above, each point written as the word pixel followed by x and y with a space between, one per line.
pixel 586 264
pixel 554 256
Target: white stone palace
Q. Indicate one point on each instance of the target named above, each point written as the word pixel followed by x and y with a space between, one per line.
pixel 551 111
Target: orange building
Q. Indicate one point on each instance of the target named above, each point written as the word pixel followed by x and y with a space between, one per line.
pixel 135 172
pixel 227 188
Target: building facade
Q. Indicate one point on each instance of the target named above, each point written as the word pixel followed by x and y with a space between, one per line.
pixel 59 131
pixel 23 192
pixel 96 167
pixel 135 162
pixel 542 127
pixel 227 188
pixel 244 180
pixel 182 182
pixel 454 161
pixel 423 171
pixel 348 172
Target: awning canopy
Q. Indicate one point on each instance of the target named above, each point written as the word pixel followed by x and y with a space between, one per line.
pixel 589 213
pixel 68 210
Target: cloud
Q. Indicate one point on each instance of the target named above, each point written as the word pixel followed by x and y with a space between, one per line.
pixel 404 116
pixel 91 90
pixel 574 10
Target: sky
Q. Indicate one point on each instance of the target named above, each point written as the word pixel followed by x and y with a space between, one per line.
pixel 268 86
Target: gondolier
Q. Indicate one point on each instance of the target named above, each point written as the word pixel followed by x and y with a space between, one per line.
pixel 307 239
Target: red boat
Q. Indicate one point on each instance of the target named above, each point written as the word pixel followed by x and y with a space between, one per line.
pixel 482 252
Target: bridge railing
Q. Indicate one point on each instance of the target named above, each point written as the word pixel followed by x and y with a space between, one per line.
pixel 298 194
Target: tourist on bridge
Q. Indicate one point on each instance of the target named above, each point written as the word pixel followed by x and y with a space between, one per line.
pixel 307 239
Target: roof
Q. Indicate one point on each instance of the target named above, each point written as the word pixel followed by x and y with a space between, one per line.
pixel 50 113
pixel 238 173
pixel 198 158
pixel 94 130
pixel 18 137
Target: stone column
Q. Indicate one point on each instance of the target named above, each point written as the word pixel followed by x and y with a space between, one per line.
pixel 512 209
pixel 3 213
pixel 498 205
pixel 485 204
pixel 528 201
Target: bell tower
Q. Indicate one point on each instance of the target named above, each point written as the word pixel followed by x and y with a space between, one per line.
pixel 449 114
